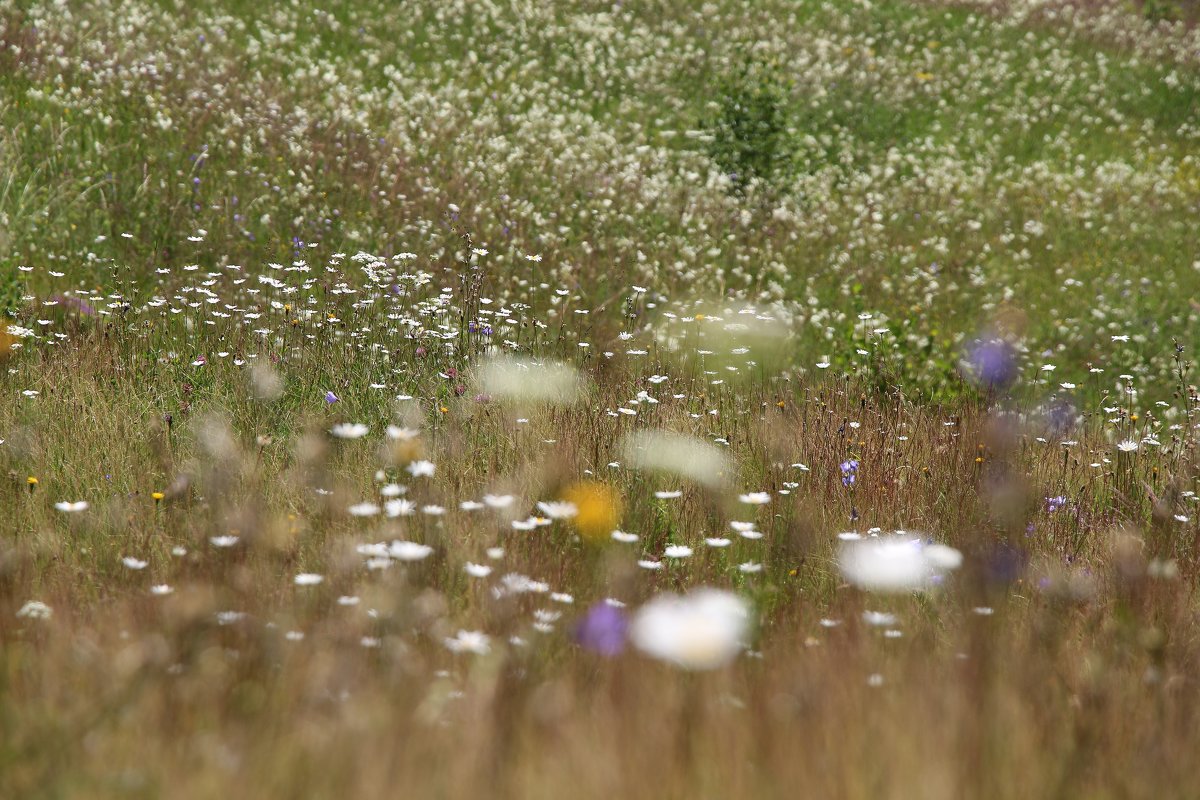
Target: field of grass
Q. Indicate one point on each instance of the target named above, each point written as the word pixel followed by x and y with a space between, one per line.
pixel 658 399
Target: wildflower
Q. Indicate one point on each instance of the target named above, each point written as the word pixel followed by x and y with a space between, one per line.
pixel 597 509
pixel 223 541
pixel 363 510
pixel 133 563
pixel 34 609
pixel 990 363
pixel 895 563
pixel 699 631
pixel 419 469
pixel 878 619
pixel 399 508
pixel 69 507
pixel 755 498
pixel 409 551
pixel 677 551
pixel 1128 446
pixel 677 454
pixel 157 497
pixel 469 642
pixel 623 537
pixel 849 470
pixel 477 570
pixel 603 630
pixel 349 430
pixel 31 482
pixel 331 398
pixel 558 509
pixel 308 579
pixel 1055 503
pixel 498 500
pixel 551 382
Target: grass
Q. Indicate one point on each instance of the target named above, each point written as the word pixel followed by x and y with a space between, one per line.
pixel 229 229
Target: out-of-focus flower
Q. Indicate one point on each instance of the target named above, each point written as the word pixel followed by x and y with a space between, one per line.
pixel 677 454
pixel 597 509
pixel 35 609
pixel 349 430
pixel 603 630
pixel 469 642
pixel 526 380
pixel 990 363
pixel 703 630
pixel 895 563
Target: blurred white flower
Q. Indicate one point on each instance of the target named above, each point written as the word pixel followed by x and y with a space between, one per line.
pixel 420 469
pixel 363 510
pixel 477 570
pixel 531 381
pixel 677 454
pixel 895 563
pixel 702 630
pixel 469 642
pixel 349 430
pixel 409 551
pixel 35 609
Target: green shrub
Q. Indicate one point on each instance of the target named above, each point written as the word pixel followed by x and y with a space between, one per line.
pixel 750 138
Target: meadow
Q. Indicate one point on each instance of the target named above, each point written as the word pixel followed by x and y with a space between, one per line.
pixel 658 399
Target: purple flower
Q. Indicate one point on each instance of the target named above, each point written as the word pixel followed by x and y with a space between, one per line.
pixel 990 363
pixel 330 397
pixel 849 471
pixel 1055 503
pixel 603 630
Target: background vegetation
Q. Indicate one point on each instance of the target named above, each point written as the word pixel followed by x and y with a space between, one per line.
pixel 783 229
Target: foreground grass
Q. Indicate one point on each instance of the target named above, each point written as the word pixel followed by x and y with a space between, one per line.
pixel 228 232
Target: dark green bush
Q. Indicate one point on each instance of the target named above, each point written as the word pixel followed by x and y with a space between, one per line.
pixel 750 138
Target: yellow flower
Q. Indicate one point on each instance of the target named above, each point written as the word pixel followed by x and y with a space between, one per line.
pixel 31 482
pixel 158 496
pixel 598 509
